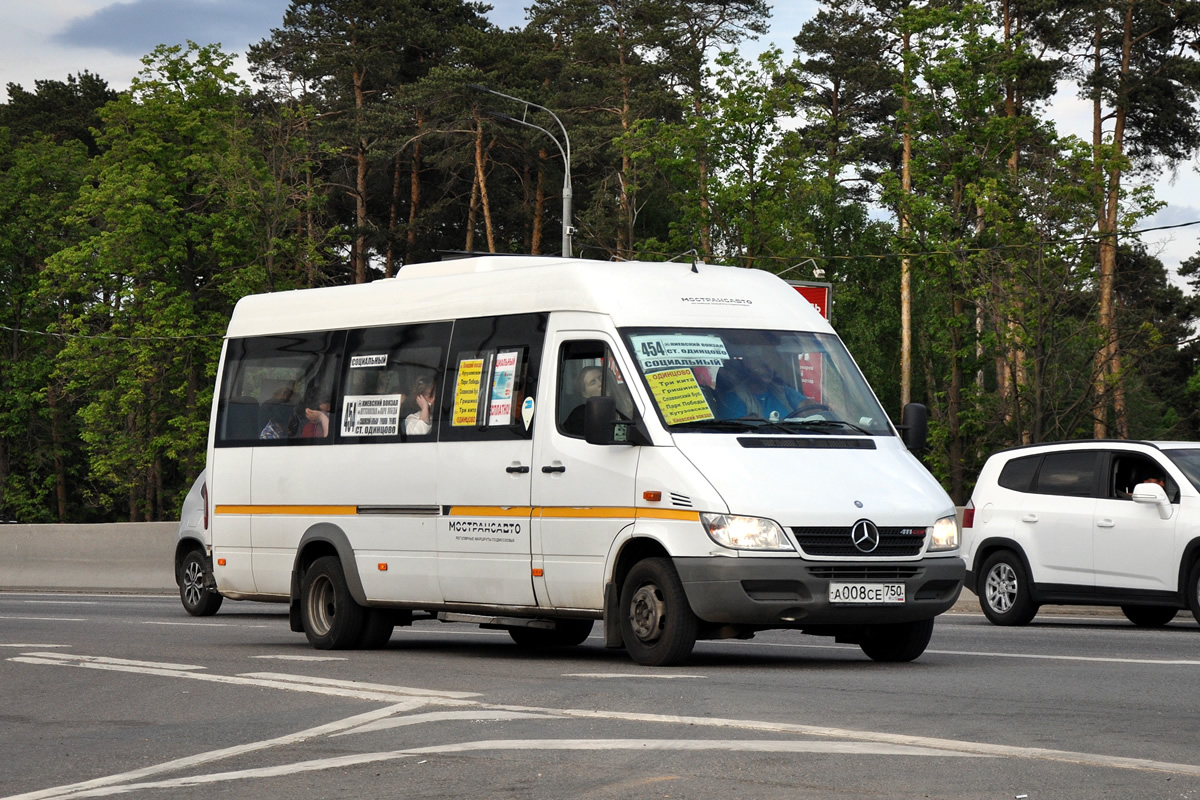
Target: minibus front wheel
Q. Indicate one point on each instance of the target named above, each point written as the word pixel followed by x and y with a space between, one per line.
pixel 657 624
pixel 332 620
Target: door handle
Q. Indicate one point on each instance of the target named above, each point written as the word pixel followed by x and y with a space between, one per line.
pixel 1029 518
pixel 518 470
pixel 559 468
pixel 1105 523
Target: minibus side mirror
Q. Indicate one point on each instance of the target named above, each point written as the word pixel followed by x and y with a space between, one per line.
pixel 914 426
pixel 601 424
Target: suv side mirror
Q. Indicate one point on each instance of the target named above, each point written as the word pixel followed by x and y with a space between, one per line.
pixel 914 426
pixel 601 424
pixel 1153 494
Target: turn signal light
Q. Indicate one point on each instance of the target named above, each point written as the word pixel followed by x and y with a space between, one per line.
pixel 653 497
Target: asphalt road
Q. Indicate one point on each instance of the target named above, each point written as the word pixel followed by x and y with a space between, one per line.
pixel 117 695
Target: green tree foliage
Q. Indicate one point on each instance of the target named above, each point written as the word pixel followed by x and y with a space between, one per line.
pixel 905 155
pixel 144 295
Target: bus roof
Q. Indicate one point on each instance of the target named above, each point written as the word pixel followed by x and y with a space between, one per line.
pixel 632 293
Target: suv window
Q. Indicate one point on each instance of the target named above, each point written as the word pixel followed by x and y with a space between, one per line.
pixel 1018 474
pixel 1072 474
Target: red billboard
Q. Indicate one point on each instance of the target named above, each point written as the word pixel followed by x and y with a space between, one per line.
pixel 819 294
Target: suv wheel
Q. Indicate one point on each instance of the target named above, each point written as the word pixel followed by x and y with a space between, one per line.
pixel 1004 590
pixel 1193 590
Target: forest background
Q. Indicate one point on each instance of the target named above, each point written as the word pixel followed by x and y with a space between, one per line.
pixel 981 262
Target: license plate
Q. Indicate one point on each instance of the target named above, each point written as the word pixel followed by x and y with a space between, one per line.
pixel 866 593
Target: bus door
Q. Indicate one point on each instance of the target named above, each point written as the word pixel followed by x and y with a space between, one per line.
pixel 583 494
pixel 485 457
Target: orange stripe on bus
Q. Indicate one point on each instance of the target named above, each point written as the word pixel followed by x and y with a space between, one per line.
pixel 312 511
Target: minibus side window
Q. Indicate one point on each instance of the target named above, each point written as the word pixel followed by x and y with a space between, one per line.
pixel 493 368
pixel 271 383
pixel 586 368
pixel 386 372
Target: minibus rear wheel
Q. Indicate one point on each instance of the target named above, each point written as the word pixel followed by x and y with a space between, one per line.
pixel 332 620
pixel 657 624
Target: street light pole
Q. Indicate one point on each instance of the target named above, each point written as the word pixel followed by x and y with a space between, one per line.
pixel 567 193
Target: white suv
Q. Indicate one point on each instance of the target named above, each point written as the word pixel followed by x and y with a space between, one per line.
pixel 1105 522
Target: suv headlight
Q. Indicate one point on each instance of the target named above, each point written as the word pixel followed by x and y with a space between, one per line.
pixel 745 533
pixel 943 535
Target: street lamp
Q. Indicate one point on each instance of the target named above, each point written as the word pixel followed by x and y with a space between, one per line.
pixel 565 152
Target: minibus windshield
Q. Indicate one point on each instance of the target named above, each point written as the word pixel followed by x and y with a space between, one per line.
pixel 732 380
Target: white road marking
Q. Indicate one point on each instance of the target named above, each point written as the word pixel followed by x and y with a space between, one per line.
pixel 380 687
pixel 303 658
pixel 295 683
pixel 117 662
pixel 45 619
pixel 474 715
pixel 851 741
pixel 63 602
pixel 626 675
pixel 1162 662
pixel 979 654
pixel 82 789
pixel 341 762
pixel 975 748
pixel 193 624
pixel 27 646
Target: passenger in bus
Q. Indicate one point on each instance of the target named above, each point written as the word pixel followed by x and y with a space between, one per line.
pixel 419 404
pixel 748 388
pixel 278 415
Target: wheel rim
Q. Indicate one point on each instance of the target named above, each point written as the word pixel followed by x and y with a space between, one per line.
pixel 193 583
pixel 647 613
pixel 1002 588
pixel 321 605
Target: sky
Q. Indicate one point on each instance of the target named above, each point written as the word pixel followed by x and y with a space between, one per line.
pixel 51 39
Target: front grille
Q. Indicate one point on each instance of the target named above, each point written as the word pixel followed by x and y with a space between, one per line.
pixel 836 542
pixel 865 572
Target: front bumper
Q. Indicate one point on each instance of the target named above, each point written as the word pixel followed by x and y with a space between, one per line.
pixel 794 593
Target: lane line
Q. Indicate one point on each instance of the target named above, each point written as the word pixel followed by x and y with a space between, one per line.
pixel 975 748
pixel 628 675
pixel 592 745
pixel 296 683
pixel 62 602
pixel 978 654
pixel 105 785
pixel 477 715
pixel 379 687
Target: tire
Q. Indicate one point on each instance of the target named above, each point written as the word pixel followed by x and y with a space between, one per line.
pixel 566 633
pixel 194 578
pixel 378 625
pixel 331 618
pixel 1149 616
pixel 1193 590
pixel 1004 590
pixel 899 642
pixel 657 624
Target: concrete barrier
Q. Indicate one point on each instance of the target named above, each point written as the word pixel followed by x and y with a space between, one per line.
pixel 120 557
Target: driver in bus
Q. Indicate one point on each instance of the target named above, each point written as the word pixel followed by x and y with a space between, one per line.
pixel 747 388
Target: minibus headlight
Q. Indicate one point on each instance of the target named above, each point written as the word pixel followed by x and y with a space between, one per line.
pixel 944 534
pixel 745 533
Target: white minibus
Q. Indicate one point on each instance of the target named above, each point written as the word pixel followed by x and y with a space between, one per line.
pixel 679 451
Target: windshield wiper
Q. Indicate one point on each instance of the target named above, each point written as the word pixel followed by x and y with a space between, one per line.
pixel 825 424
pixel 735 425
